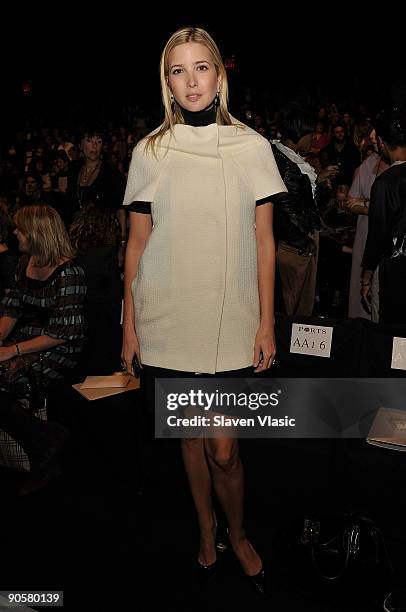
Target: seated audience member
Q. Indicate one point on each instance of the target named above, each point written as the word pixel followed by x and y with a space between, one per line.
pixel 41 335
pixel 310 145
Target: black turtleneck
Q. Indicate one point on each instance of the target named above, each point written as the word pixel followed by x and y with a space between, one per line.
pixel 199 118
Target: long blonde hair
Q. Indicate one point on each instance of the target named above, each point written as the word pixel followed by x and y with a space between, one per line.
pixel 173 116
pixel 47 239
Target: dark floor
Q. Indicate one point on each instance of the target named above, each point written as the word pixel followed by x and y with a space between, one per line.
pixel 91 535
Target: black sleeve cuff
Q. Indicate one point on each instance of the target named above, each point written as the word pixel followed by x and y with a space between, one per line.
pixel 264 200
pixel 140 207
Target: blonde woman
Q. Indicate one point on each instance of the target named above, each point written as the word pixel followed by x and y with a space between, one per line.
pixel 200 262
pixel 41 322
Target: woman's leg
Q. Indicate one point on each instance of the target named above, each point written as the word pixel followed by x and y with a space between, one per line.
pixel 228 480
pixel 198 474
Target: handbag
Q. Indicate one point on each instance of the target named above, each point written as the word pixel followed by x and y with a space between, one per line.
pixel 19 379
pixel 355 546
pixel 333 557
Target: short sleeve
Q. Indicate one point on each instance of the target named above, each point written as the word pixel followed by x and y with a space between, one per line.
pixel 259 164
pixel 143 176
pixel 262 201
pixel 66 320
pixel 140 207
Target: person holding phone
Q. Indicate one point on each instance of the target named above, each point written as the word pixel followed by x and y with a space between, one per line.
pixel 200 263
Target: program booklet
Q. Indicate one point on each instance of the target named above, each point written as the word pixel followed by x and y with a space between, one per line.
pixel 389 429
pixel 97 387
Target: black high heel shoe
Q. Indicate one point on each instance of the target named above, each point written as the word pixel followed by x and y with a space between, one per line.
pixel 258 581
pixel 206 573
pixel 222 544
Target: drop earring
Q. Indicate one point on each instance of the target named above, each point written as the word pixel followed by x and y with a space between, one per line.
pixel 172 103
pixel 217 100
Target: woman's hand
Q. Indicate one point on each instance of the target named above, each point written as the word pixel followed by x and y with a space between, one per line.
pixel 326 174
pixel 366 298
pixel 130 348
pixel 7 352
pixel 357 206
pixel 264 349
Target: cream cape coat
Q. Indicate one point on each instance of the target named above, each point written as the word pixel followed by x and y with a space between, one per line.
pixel 195 294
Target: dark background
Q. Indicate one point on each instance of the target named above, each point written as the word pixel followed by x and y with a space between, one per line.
pixel 89 63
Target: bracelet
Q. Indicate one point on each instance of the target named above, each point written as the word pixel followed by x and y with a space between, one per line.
pixel 18 350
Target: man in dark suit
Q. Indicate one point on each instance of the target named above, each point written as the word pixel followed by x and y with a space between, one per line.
pixel 343 153
pixel 386 242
